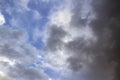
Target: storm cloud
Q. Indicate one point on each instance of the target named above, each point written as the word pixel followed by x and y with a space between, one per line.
pixel 91 39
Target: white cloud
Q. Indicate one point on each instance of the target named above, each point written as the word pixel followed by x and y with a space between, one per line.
pixel 2 19
pixel 1 73
pixel 56 61
pixel 50 79
pixel 61 17
pixel 10 62
pixel 3 76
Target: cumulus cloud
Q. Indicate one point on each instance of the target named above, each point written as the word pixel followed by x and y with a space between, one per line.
pixel 2 19
pixel 16 56
pixel 88 34
pixel 61 17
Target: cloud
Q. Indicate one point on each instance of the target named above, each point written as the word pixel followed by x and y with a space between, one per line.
pixel 88 36
pixel 26 73
pixel 61 17
pixel 108 22
pixel 16 56
pixel 54 49
pixel 81 41
pixel 2 19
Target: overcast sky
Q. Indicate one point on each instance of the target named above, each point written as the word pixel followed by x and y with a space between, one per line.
pixel 59 40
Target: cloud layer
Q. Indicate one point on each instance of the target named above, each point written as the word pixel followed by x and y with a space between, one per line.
pixel 16 56
pixel 79 40
pixel 88 37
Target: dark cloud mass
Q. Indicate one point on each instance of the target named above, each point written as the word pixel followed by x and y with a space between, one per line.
pixel 104 52
pixel 108 17
pixel 92 59
pixel 55 35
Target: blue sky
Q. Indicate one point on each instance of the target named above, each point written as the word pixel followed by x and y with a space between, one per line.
pixel 54 40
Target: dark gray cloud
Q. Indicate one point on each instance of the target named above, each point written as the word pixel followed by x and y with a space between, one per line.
pixel 55 35
pixel 77 20
pixel 104 52
pixel 108 15
pixel 89 58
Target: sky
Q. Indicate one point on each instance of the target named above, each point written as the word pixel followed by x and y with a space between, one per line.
pixel 59 40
